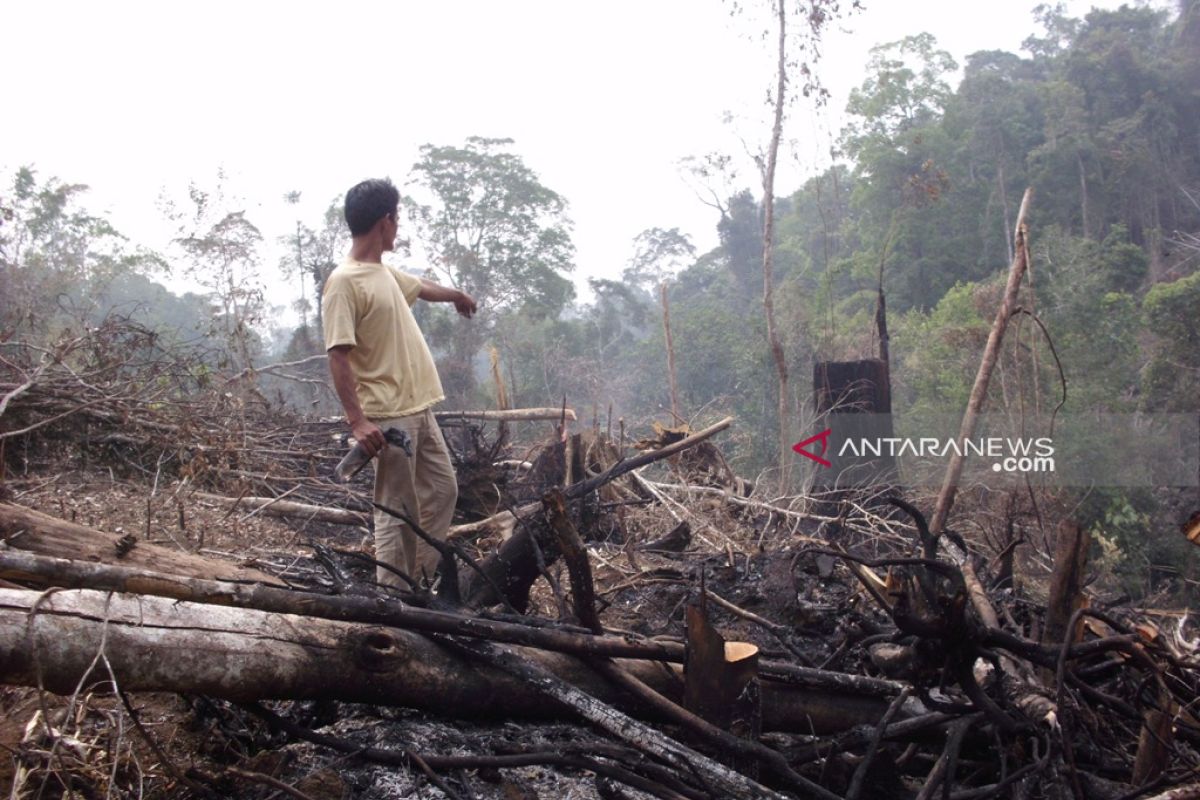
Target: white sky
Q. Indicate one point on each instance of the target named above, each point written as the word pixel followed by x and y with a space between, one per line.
pixel 602 99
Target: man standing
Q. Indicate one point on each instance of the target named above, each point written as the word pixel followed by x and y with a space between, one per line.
pixel 385 378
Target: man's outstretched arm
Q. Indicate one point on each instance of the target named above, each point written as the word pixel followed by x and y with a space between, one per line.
pixel 434 293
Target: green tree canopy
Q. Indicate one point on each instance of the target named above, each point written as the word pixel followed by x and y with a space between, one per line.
pixel 494 231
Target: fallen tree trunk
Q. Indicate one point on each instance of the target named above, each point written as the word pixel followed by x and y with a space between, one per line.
pixel 288 509
pixel 584 487
pixel 46 572
pixel 43 571
pixel 508 415
pixel 157 644
pixel 501 523
pixel 25 529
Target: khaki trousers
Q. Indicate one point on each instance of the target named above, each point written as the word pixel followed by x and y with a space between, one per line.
pixel 424 487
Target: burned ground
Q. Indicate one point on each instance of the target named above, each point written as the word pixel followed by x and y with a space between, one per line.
pixel 833 592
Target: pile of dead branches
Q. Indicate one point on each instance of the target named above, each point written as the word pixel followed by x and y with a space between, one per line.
pixel 119 397
pixel 118 394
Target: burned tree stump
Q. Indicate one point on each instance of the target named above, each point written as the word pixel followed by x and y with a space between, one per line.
pixel 718 676
pixel 854 399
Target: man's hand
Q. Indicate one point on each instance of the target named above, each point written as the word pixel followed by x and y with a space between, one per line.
pixel 433 293
pixel 465 304
pixel 369 435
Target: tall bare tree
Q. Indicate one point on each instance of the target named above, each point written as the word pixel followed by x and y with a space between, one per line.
pixel 797 62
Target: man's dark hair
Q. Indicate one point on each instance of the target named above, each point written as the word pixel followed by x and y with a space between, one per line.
pixel 368 202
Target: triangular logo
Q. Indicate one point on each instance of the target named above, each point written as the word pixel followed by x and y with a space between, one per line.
pixel 823 437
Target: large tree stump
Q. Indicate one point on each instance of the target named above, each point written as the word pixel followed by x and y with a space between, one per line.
pixel 854 399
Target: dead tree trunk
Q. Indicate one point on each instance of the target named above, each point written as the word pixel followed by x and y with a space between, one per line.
pixel 774 342
pixel 856 399
pixel 987 364
pixel 157 644
pixel 287 509
pixel 721 678
pixel 508 414
pixel 25 529
pixel 501 523
pixel 1067 581
pixel 43 571
pixel 666 309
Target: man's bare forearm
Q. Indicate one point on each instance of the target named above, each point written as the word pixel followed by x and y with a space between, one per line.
pixel 436 293
pixel 363 430
pixel 343 383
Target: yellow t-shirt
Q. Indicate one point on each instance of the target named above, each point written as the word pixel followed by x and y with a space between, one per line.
pixel 367 306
